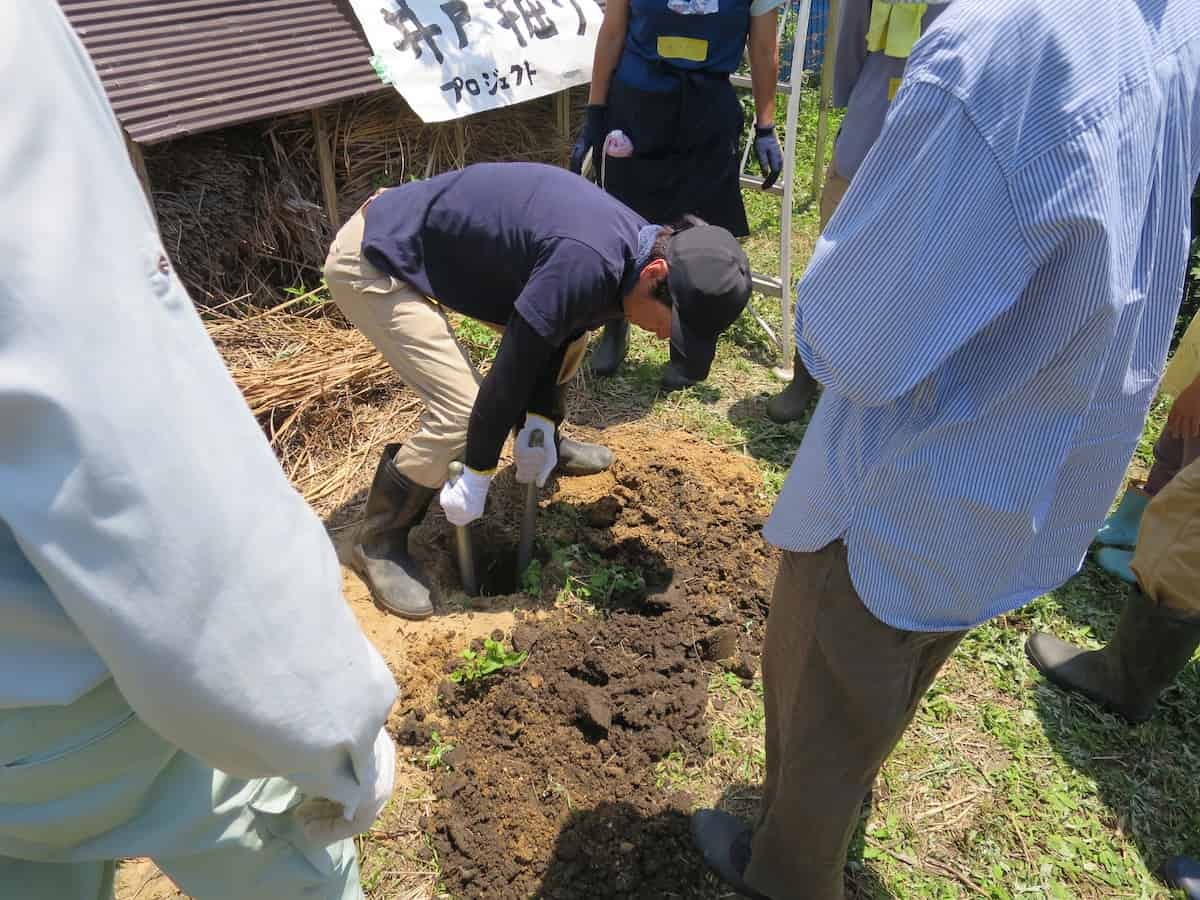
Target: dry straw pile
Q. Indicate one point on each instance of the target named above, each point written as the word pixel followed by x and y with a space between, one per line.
pixel 325 397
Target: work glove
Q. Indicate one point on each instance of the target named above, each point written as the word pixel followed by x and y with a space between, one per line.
pixel 463 498
pixel 325 822
pixel 769 153
pixel 535 463
pixel 590 137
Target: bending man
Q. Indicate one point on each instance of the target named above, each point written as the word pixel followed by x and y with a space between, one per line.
pixel 544 255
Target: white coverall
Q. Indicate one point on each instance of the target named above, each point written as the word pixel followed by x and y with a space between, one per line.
pixel 172 630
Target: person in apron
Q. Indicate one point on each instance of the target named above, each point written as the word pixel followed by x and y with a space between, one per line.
pixel 661 78
pixel 874 40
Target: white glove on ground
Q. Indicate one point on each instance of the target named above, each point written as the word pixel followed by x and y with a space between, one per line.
pixel 463 498
pixel 325 822
pixel 535 463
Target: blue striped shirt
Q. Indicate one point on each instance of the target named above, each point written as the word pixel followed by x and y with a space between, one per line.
pixel 990 307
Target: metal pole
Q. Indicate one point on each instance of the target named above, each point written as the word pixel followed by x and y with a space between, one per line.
pixel 826 101
pixel 786 344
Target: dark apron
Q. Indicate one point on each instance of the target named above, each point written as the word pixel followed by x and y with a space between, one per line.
pixel 685 151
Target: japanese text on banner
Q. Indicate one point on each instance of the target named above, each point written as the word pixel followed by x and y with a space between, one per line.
pixel 452 58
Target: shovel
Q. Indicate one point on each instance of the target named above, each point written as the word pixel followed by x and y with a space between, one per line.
pixel 466 553
pixel 528 518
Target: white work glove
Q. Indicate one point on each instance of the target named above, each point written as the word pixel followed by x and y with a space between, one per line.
pixel 463 498
pixel 535 463
pixel 325 822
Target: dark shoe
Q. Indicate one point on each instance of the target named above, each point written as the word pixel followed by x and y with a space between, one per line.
pixel 1144 657
pixel 1183 873
pixel 724 842
pixel 675 378
pixel 790 404
pixel 609 353
pixel 579 458
pixel 380 555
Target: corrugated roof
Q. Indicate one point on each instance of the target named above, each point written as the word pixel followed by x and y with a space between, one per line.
pixel 175 67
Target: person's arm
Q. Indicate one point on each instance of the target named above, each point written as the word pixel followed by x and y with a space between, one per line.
pixel 570 277
pixel 523 363
pixel 922 253
pixel 609 43
pixel 132 475
pixel 764 65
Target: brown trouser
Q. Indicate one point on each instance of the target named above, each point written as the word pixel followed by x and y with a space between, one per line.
pixel 1167 558
pixel 415 337
pixel 840 688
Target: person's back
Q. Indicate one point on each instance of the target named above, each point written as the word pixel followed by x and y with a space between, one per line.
pixel 484 229
pixel 1030 244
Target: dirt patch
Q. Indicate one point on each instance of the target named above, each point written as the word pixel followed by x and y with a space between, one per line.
pixel 653 575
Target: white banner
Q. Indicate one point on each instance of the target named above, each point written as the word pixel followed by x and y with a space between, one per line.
pixel 452 58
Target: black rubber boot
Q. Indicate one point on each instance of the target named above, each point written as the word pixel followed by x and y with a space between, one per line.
pixel 607 356
pixel 790 404
pixel 1183 873
pixel 579 458
pixel 676 378
pixel 1150 648
pixel 380 555
pixel 724 842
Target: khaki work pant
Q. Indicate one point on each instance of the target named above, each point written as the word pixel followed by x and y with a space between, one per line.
pixel 840 688
pixel 1167 557
pixel 415 337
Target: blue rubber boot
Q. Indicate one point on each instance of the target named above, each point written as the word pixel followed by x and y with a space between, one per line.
pixel 1116 562
pixel 1121 528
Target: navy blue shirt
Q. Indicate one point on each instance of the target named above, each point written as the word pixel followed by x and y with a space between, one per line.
pixel 497 237
pixel 531 247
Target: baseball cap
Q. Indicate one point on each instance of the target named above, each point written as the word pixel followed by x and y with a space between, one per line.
pixel 709 281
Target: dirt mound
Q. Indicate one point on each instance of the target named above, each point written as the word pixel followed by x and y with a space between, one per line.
pixel 653 576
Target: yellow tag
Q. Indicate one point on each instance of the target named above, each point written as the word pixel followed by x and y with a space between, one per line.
pixel 881 11
pixel 904 27
pixel 691 49
pixel 894 27
pixel 893 86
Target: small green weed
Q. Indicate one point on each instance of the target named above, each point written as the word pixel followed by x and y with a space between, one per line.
pixel 592 580
pixel 489 661
pixel 531 578
pixel 437 750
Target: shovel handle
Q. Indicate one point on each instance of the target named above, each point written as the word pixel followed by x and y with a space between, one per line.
pixel 528 518
pixel 462 538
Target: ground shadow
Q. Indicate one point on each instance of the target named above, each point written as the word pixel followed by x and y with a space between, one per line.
pixel 597 559
pixel 626 396
pixel 1092 598
pixel 767 440
pixel 1147 775
pixel 614 850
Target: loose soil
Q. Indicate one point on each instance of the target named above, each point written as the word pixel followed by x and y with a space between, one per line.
pixel 554 785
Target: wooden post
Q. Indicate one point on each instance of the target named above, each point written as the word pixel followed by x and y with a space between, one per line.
pixel 562 108
pixel 139 167
pixel 826 99
pixel 325 159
